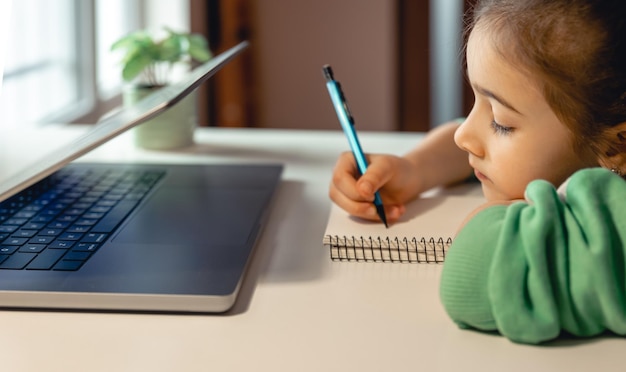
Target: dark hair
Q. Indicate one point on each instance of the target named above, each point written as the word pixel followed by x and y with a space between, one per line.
pixel 577 50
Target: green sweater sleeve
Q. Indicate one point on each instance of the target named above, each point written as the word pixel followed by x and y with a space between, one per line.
pixel 533 270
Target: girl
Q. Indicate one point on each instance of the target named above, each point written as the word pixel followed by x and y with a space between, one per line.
pixel 546 138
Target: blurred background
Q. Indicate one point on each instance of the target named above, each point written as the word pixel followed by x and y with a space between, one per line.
pixel 399 61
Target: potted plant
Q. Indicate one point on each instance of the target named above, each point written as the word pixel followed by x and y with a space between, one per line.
pixel 148 64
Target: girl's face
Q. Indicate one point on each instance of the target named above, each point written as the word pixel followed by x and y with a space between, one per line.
pixel 512 135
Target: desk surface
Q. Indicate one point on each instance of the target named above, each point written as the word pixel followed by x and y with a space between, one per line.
pixel 298 310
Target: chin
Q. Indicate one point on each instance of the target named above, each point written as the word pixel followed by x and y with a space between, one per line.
pixel 492 195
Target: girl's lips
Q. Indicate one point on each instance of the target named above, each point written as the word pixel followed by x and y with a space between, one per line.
pixel 480 176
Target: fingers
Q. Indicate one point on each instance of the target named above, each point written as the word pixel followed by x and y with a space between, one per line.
pixel 343 190
pixel 365 208
pixel 377 175
pixel 348 180
pixel 345 176
pixel 355 193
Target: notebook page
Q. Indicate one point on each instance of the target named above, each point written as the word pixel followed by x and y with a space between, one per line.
pixel 432 217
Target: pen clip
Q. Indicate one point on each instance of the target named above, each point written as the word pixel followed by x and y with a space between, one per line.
pixel 328 73
pixel 330 79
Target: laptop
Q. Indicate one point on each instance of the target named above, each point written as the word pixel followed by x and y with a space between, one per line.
pixel 131 237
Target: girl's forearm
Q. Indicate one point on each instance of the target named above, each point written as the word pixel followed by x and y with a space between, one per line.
pixel 438 160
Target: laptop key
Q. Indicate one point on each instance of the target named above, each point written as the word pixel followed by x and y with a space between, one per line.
pixel 7 228
pixel 110 221
pixel 70 236
pixel 61 244
pixel 24 233
pixel 94 238
pixel 46 259
pixel 40 239
pixel 65 265
pixel 8 249
pixel 15 241
pixel 76 256
pixel 85 247
pixel 32 248
pixel 17 261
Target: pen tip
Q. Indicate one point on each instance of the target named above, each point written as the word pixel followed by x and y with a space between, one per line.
pixel 381 214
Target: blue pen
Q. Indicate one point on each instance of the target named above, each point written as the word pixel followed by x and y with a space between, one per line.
pixel 347 124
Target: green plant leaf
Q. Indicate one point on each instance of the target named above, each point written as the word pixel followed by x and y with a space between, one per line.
pixel 131 40
pixel 143 54
pixel 134 66
pixel 172 48
pixel 199 48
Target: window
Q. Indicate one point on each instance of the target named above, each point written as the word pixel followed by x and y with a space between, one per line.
pixel 41 61
pixel 58 64
pixel 57 54
pixel 114 19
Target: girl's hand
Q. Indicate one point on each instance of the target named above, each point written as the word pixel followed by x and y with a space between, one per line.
pixel 393 176
pixel 437 161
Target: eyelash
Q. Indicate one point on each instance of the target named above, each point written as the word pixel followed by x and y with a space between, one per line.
pixel 500 129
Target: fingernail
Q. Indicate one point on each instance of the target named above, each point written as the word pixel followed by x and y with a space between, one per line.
pixel 396 212
pixel 367 188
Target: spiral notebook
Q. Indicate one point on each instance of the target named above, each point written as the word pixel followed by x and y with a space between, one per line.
pixel 423 235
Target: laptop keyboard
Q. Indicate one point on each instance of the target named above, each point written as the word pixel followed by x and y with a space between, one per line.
pixel 60 222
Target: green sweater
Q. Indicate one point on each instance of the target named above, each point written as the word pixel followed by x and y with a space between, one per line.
pixel 554 264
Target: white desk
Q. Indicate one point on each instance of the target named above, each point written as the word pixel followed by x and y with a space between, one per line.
pixel 298 311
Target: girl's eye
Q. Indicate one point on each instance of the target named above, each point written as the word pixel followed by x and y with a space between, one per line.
pixel 500 129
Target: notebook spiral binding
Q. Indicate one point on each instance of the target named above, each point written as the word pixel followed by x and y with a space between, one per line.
pixel 397 250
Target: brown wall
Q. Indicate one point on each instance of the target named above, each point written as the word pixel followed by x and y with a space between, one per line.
pixel 380 51
pixel 294 39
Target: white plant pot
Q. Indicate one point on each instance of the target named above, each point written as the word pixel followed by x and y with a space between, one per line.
pixel 171 129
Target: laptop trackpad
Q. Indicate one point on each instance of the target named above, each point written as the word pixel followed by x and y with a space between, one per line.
pixel 177 214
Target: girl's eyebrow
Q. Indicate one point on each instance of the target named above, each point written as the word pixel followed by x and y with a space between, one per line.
pixel 500 100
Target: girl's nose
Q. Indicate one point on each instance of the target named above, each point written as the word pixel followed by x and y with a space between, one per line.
pixel 467 137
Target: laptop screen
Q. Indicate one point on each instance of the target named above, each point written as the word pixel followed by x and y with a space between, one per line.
pixel 46 163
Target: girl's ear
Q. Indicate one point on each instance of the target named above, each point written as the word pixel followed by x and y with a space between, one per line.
pixel 614 151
